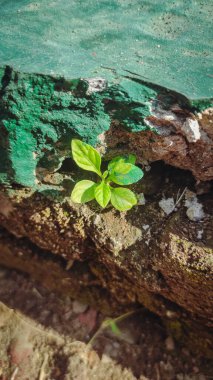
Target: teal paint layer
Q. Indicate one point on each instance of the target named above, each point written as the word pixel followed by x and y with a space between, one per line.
pixel 40 114
pixel 168 43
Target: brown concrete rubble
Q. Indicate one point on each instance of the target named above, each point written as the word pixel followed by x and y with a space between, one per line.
pixel 161 259
pixel 183 140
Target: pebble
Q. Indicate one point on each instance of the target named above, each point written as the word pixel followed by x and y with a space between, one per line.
pixel 141 199
pixel 167 205
pixel 79 307
pixel 68 315
pixel 195 369
pixel 170 345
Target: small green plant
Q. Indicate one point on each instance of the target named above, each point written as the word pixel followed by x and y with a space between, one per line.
pixel 111 323
pixel 121 171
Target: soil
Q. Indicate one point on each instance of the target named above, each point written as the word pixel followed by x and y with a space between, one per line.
pixel 141 350
pixel 109 260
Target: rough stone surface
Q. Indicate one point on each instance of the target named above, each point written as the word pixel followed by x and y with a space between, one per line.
pixel 166 265
pixel 120 89
pixel 141 333
pixel 28 350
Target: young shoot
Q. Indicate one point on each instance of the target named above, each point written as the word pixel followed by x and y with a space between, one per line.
pixel 121 171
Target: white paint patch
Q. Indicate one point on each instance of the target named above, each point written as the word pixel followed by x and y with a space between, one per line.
pixel 167 205
pixel 191 130
pixel 194 209
pixel 95 85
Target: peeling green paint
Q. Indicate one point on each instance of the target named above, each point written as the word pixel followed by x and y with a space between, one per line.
pixel 141 50
pixel 41 114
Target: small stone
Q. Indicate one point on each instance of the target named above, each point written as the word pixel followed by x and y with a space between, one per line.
pixel 170 345
pixel 185 352
pixel 170 314
pixel 167 205
pixel 79 307
pixel 195 369
pixel 68 315
pixel 199 234
pixel 69 264
pixel 191 130
pixel 116 344
pixel 194 209
pixel 195 213
pixel 128 336
pixel 141 199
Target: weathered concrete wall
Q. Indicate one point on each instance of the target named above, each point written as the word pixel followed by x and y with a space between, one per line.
pixel 117 47
pixel 62 78
pixel 40 114
pixel 163 261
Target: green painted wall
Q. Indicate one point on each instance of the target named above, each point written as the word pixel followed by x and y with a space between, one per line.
pixel 40 114
pixel 164 42
pixel 137 49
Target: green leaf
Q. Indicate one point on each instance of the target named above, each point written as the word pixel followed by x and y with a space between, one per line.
pixel 126 158
pixel 105 174
pixel 123 199
pixel 103 194
pixel 84 191
pixel 122 168
pixel 86 156
pixel 125 174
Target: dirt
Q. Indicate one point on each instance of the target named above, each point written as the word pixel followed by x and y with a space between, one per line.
pixel 119 261
pixel 47 337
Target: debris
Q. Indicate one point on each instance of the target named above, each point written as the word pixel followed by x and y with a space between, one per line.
pixel 14 373
pixel 79 307
pixel 88 319
pixel 95 85
pixel 145 226
pixel 199 234
pixel 42 375
pixel 141 199
pixel 194 209
pixel 167 205
pixel 191 130
pixel 69 264
pixel 169 342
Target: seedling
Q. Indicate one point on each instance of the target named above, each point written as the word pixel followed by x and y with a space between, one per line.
pixel 112 324
pixel 121 171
